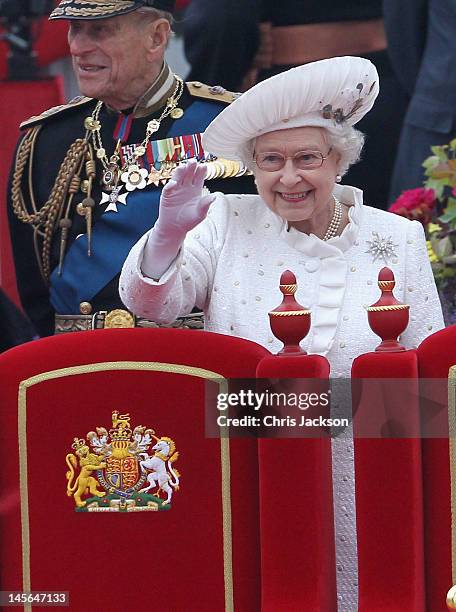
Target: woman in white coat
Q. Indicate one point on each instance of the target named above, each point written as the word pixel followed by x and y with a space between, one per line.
pixel 225 254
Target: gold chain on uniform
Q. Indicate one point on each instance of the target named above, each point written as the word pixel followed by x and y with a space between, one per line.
pixel 112 165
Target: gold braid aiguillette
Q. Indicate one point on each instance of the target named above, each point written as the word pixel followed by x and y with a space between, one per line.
pixel 45 220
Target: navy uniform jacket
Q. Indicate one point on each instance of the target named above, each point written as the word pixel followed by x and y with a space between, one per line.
pixel 94 279
pixel 422 45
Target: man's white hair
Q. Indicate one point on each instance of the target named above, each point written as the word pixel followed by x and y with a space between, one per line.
pixel 155 14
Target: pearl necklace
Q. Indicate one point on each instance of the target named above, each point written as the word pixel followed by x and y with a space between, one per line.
pixel 334 224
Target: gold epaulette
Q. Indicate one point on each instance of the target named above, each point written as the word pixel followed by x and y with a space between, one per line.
pixel 211 92
pixel 55 110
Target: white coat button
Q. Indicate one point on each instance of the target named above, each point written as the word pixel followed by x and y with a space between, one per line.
pixel 312 265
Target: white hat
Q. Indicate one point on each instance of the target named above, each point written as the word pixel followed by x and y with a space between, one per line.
pixel 331 92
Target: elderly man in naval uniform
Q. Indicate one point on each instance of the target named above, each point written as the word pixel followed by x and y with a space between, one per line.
pixel 87 176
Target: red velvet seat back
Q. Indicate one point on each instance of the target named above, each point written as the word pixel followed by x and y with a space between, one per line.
pixel 202 553
pixel 436 355
pixel 389 497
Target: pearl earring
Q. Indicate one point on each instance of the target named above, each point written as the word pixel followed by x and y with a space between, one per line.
pixel 338 178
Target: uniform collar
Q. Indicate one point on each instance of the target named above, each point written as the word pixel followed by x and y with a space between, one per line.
pixel 155 96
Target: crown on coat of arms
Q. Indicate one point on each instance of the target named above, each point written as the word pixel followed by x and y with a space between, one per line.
pixel 121 431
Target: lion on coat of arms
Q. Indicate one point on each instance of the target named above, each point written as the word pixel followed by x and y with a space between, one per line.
pixel 84 482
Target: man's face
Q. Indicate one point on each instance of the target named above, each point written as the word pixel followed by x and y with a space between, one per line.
pixel 112 59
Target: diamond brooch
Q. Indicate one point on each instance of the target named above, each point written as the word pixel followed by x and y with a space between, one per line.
pixel 381 248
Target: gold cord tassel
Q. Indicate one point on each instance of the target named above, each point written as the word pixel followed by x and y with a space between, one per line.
pixel 65 225
pixel 88 205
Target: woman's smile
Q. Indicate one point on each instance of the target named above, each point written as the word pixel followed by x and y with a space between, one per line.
pixel 294 197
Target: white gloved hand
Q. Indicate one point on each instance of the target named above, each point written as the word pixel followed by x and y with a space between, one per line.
pixel 182 207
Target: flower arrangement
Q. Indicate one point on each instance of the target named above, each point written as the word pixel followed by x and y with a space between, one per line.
pixel 434 205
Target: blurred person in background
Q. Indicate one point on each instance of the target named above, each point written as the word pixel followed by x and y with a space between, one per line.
pixel 422 45
pixel 238 42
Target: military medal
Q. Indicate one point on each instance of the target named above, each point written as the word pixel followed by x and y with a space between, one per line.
pixel 134 177
pixel 210 172
pixel 110 176
pixel 177 113
pixel 154 177
pixel 113 198
pixel 128 170
pixel 167 172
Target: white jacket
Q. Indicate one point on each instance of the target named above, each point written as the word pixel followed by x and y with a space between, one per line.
pixel 230 266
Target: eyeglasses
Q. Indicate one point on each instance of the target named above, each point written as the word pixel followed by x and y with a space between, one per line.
pixel 271 161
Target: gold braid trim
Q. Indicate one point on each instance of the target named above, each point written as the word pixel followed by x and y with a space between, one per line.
pixel 386 285
pixel 114 3
pixel 99 2
pixel 49 213
pixel 289 313
pixel 288 289
pixel 385 308
pixel 22 157
pixel 91 12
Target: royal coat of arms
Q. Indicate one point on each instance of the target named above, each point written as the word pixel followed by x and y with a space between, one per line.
pixel 122 470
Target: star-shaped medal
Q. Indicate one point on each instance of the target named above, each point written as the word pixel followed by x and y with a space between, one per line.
pixel 113 198
pixel 154 177
pixel 381 247
pixel 167 172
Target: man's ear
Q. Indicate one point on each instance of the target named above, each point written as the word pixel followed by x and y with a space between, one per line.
pixel 158 32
